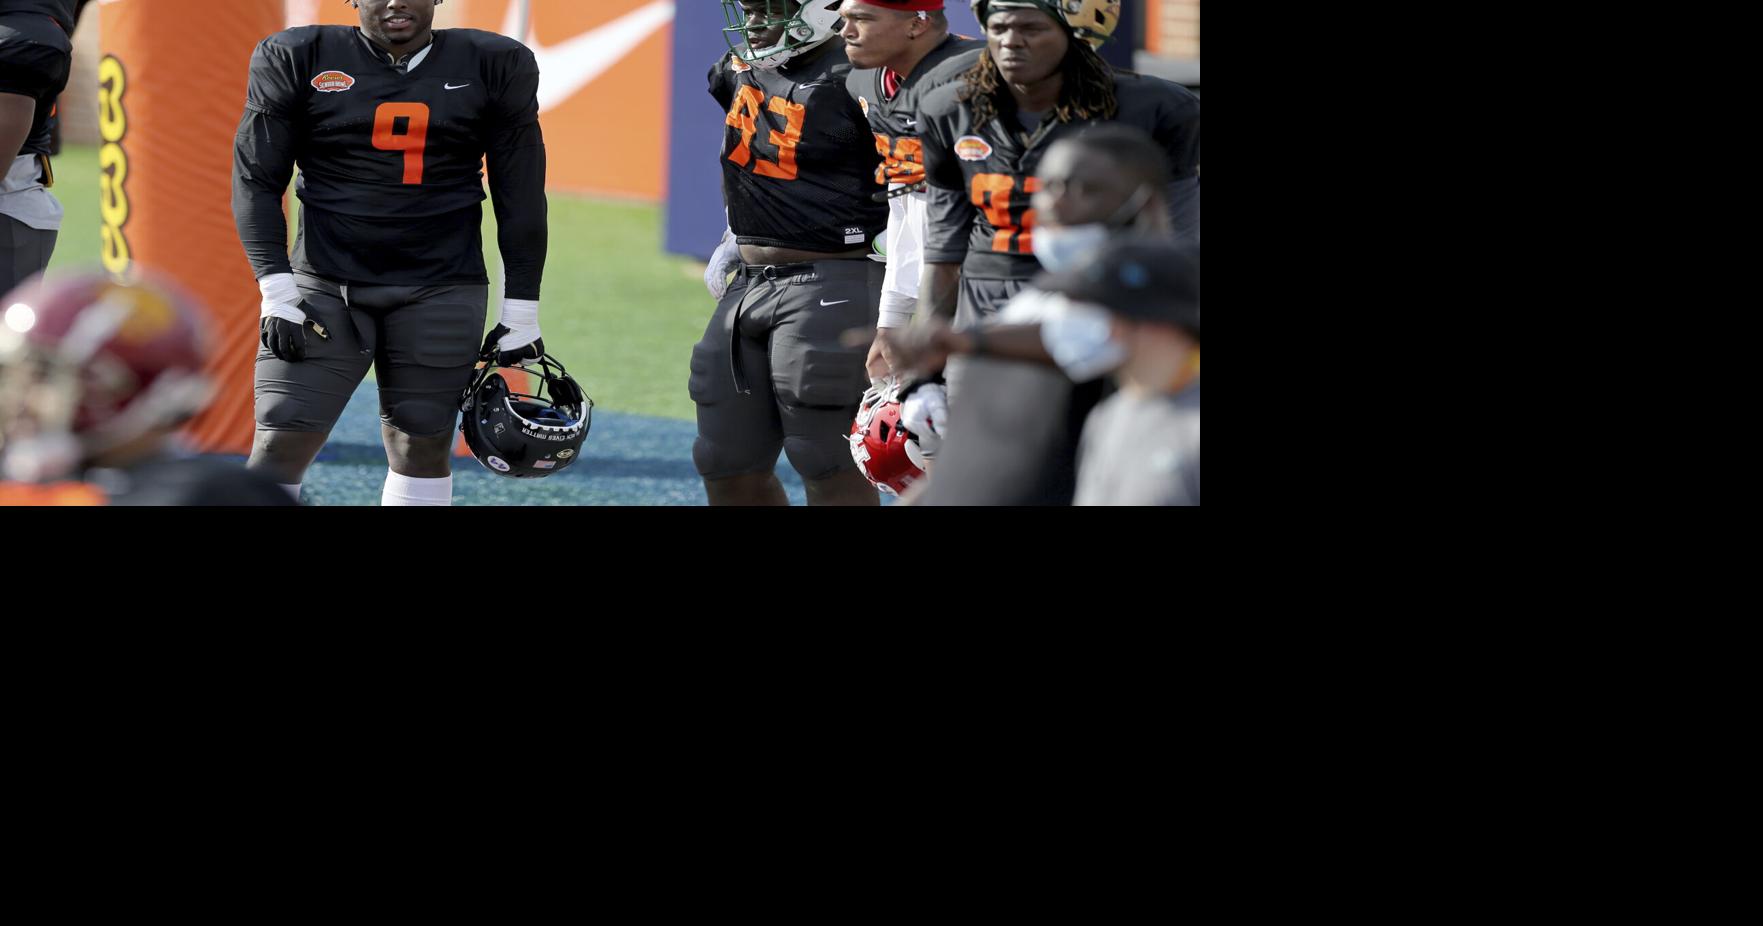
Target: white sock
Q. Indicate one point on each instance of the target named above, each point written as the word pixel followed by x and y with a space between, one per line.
pixel 410 492
pixel 293 490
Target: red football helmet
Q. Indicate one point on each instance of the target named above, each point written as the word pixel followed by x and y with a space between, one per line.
pixel 88 364
pixel 886 453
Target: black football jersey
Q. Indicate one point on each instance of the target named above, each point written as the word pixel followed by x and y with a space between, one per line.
pixel 798 160
pixel 981 180
pixel 389 160
pixel 894 121
pixel 39 65
pixel 65 12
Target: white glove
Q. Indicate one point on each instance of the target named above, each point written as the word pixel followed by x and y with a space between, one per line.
pixel 727 256
pixel 281 298
pixel 926 413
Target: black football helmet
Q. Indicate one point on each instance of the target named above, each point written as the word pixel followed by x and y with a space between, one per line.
pixel 520 434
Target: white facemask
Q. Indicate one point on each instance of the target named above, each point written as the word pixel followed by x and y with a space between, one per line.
pixel 1059 247
pixel 1080 338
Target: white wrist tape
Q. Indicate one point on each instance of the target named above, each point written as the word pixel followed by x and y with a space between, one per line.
pixel 520 313
pixel 281 298
pixel 896 310
pixel 522 318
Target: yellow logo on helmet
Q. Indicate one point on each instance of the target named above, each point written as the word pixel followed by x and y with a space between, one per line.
pixel 149 314
pixel 1094 21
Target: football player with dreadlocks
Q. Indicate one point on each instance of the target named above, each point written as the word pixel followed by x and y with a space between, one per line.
pixel 1039 80
pixel 798 167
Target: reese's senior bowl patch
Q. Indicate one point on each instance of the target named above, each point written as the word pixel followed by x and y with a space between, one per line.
pixel 972 148
pixel 332 82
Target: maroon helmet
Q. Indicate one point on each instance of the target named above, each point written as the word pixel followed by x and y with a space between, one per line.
pixel 886 453
pixel 88 363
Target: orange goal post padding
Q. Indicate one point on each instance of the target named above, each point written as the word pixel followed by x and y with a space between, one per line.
pixel 171 88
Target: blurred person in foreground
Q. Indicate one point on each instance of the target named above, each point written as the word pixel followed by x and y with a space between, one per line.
pixel 1039 369
pixel 1141 446
pixel 96 376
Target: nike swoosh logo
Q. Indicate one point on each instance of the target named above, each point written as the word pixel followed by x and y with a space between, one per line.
pixel 572 64
pixel 451 87
pixel 840 302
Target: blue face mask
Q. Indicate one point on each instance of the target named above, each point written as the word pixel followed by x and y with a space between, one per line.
pixel 1059 247
pixel 1080 339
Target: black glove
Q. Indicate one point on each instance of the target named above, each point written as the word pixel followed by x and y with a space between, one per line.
pixel 285 339
pixel 508 358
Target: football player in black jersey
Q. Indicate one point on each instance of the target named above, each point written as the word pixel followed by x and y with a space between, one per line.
pixel 388 124
pixel 902 50
pixel 798 167
pixel 1039 80
pixel 36 49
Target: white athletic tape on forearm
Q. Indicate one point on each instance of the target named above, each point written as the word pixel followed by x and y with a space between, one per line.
pixel 281 298
pixel 896 310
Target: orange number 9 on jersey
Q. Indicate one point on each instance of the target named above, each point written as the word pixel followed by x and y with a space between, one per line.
pixel 411 141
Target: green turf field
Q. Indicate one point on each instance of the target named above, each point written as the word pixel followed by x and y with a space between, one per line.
pixel 617 311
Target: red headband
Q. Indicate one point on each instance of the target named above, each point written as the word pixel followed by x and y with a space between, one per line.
pixel 908 6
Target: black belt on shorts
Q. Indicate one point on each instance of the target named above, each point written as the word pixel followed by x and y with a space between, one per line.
pixel 776 271
pixel 762 272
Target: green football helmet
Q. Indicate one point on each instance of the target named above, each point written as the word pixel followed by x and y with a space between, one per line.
pixel 801 26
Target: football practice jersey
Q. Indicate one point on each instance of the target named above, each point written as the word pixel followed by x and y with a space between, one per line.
pixel 389 158
pixel 798 160
pixel 22 65
pixel 894 120
pixel 981 179
pixel 66 13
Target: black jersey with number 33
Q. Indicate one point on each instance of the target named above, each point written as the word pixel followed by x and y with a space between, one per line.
pixel 389 160
pixel 798 162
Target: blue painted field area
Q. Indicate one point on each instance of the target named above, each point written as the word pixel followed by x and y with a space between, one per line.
pixel 623 313
pixel 628 460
